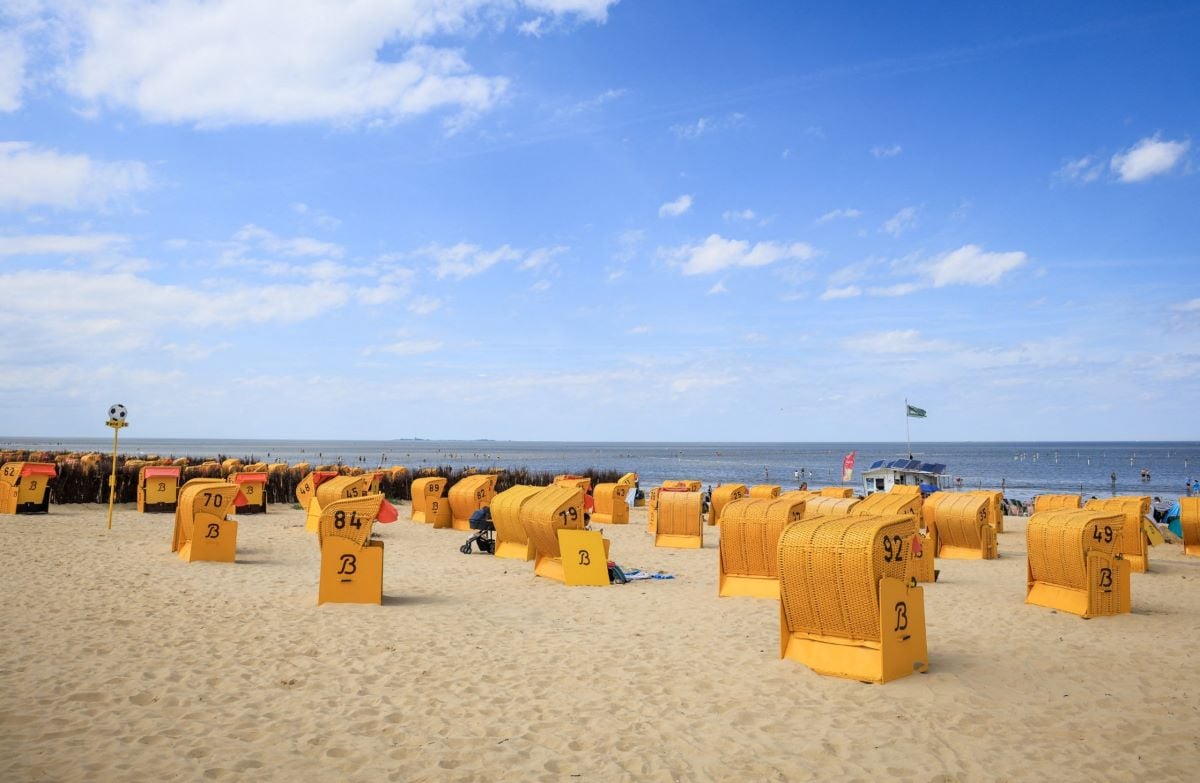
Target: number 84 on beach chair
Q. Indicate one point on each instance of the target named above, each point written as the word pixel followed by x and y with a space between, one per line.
pixel 351 563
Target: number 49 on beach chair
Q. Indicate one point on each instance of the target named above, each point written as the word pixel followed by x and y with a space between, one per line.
pixel 1074 563
pixel 202 529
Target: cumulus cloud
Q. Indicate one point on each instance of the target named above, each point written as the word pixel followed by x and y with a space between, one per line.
pixel 32 176
pixel 676 208
pixel 225 62
pixel 465 260
pixel 12 71
pixel 717 253
pixel 59 244
pixel 835 214
pixel 900 222
pixel 886 151
pixel 1150 157
pixel 971 265
pixel 300 246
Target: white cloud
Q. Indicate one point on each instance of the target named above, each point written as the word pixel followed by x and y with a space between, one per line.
pixel 1085 169
pixel 540 286
pixel 532 27
pixel 542 256
pixel 12 71
pixel 718 288
pixel 1148 158
pixel 705 125
pixel 901 341
pixel 1192 306
pixel 970 265
pixel 642 329
pixel 300 246
pixel 58 244
pixel 252 61
pixel 717 253
pixel 845 292
pixel 889 151
pixel 34 177
pixel 467 260
pixel 835 214
pixel 424 305
pixel 738 214
pixel 676 208
pixel 899 289
pixel 591 10
pixel 900 222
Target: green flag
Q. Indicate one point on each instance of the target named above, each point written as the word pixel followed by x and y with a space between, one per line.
pixel 914 411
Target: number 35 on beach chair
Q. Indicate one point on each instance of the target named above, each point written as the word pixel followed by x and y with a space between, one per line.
pixel 849 605
pixel 202 530
pixel 24 485
pixel 351 563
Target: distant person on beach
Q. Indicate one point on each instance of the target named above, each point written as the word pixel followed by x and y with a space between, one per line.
pixel 1112 477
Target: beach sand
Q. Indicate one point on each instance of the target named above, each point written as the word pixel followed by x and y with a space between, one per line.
pixel 118 661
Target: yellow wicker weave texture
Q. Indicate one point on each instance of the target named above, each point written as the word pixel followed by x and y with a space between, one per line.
pixel 959 517
pixel 425 489
pixel 837 492
pixel 506 512
pixel 691 485
pixel 608 496
pixel 765 491
pixel 349 518
pixel 889 504
pixel 679 513
pixel 543 514
pixel 905 489
pixel 573 482
pixel 823 505
pixel 652 509
pixel 211 499
pixel 1058 543
pixel 340 487
pixel 628 480
pixel 1057 503
pixel 750 530
pixel 471 493
pixel 829 572
pixel 1189 521
pixel 1133 508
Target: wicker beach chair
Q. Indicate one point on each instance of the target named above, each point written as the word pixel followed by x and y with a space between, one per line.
pixel 1074 563
pixel 848 603
pixel 628 480
pixel 889 504
pixel 722 495
pixel 680 521
pixel 428 506
pixel 469 495
pixel 252 498
pixel 24 487
pixel 1057 503
pixel 573 482
pixel 822 505
pixel 203 530
pixel 959 525
pixel 1189 524
pixel 335 488
pixel 652 509
pixel 749 548
pixel 611 506
pixel 511 540
pixel 553 522
pixel 1135 543
pixel 691 485
pixel 837 492
pixel 306 490
pixel 351 563
pixel 158 488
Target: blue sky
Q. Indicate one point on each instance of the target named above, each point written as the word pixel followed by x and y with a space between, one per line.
pixel 597 220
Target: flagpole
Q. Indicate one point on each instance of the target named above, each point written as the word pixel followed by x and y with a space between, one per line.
pixel 907 429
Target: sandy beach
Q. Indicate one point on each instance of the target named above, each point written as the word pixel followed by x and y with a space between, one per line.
pixel 118 661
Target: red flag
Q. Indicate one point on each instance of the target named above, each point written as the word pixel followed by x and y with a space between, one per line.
pixel 848 467
pixel 387 512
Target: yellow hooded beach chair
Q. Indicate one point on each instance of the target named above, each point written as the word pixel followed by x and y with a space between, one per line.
pixel 1074 563
pixel 749 547
pixel 203 530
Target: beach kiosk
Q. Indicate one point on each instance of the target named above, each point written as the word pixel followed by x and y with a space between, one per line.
pixel 469 495
pixel 203 529
pixel 1074 563
pixel 722 495
pixel 24 487
pixel 749 549
pixel 351 562
pixel 428 505
pixel 848 605
pixel 563 550
pixel 158 488
pixel 252 494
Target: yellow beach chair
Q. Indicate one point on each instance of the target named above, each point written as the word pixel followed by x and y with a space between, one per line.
pixel 725 493
pixel 679 521
pixel 351 563
pixel 824 505
pixel 960 526
pixel 24 487
pixel 837 492
pixel 611 506
pixel 1189 524
pixel 306 490
pixel 1135 542
pixel 428 505
pixel 203 530
pixel 511 540
pixel 691 485
pixel 563 550
pixel 848 604
pixel 469 495
pixel 1074 563
pixel 749 548
pixel 767 491
pixel 1057 503
pixel 652 509
pixel 252 497
pixel 158 489
pixel 336 488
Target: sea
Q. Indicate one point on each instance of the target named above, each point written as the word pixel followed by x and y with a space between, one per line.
pixel 1021 469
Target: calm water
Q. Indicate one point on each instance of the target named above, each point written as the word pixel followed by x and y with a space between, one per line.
pixel 1026 469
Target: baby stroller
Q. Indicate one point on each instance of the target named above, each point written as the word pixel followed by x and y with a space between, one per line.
pixel 481 523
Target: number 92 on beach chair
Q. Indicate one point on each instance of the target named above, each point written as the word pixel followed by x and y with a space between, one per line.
pixel 849 604
pixel 24 485
pixel 202 529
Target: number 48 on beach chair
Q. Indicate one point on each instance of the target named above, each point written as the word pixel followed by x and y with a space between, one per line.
pixel 202 529
pixel 24 485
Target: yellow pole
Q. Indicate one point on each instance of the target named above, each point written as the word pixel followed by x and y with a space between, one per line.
pixel 112 480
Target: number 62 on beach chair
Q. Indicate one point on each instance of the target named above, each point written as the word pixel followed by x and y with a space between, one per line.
pixel 202 530
pixel 24 485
